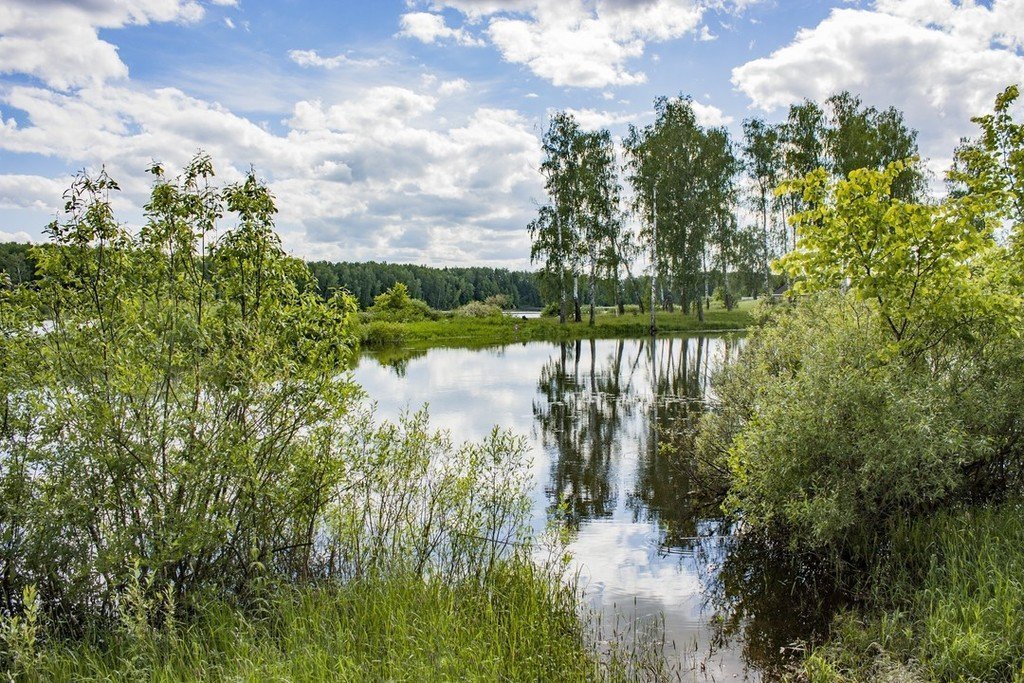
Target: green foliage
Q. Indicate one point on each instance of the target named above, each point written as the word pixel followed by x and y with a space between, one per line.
pixel 17 262
pixel 579 231
pixel 519 624
pixel 826 437
pixel 990 169
pixel 932 269
pixel 948 606
pixel 381 333
pixel 395 305
pixel 692 201
pixel 476 309
pixel 499 300
pixel 171 406
pixel 177 422
pixel 888 389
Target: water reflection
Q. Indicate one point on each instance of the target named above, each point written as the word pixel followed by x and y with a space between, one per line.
pixel 611 427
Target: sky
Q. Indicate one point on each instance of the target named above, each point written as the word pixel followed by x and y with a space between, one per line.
pixel 409 130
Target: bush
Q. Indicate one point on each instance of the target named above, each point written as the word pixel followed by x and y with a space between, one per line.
pixel 551 310
pixel 499 300
pixel 395 305
pixel 826 434
pixel 477 309
pixel 382 333
pixel 172 422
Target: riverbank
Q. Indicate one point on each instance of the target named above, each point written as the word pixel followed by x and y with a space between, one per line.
pixel 518 624
pixel 944 604
pixel 474 332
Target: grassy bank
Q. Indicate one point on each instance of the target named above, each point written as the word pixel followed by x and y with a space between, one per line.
pixel 947 604
pixel 468 331
pixel 518 625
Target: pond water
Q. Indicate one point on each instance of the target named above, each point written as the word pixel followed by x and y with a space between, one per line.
pixel 607 422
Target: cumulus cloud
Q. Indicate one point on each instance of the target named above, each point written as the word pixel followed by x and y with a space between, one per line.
pixel 58 41
pixel 311 58
pixel 431 28
pixel 453 86
pixel 593 119
pixel 30 192
pixel 375 175
pixel 940 62
pixel 709 115
pixel 581 43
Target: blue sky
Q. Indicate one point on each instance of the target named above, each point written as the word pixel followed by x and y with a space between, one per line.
pixel 408 130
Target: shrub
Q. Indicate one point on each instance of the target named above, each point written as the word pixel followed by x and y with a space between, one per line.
pixel 179 420
pixel 477 309
pixel 396 305
pixel 551 310
pixel 826 433
pixel 382 333
pixel 499 300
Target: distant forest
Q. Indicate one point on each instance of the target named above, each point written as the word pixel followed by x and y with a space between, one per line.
pixel 441 288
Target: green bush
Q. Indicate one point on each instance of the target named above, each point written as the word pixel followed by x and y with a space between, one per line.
pixel 499 301
pixel 180 418
pixel 382 333
pixel 826 433
pixel 477 309
pixel 395 305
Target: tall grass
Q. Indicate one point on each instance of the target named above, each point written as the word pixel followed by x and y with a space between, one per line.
pixel 518 625
pixel 948 605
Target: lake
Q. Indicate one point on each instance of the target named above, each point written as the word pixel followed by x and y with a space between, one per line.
pixel 607 422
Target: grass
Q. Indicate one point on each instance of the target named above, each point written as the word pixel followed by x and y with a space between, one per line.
pixel 466 331
pixel 519 625
pixel 949 605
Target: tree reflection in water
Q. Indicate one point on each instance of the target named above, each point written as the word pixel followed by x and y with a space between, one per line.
pixel 591 407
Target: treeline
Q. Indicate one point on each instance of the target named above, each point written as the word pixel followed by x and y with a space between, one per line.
pixel 442 288
pixel 706 208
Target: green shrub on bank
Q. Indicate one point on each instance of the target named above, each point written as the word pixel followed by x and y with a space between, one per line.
pixel 191 488
pixel 395 305
pixel 477 309
pixel 827 435
pixel 379 333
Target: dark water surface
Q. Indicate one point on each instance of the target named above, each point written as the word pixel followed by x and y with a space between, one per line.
pixel 607 422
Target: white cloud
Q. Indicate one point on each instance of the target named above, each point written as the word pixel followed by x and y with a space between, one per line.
pixel 431 28
pixel 453 87
pixel 709 115
pixel 19 236
pixel 581 43
pixel 31 192
pixel 939 62
pixel 58 41
pixel 375 174
pixel 593 119
pixel 311 58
